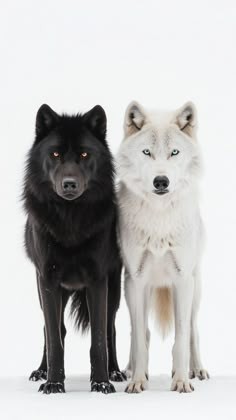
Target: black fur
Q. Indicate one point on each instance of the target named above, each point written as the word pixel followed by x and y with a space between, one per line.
pixel 70 236
pixel 79 309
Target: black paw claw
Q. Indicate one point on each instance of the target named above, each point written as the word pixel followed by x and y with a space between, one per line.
pixel 52 388
pixel 192 375
pixel 38 375
pixel 203 375
pixel 104 387
pixel 117 376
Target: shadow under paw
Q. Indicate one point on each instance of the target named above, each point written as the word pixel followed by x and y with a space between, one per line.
pixel 104 387
pixel 117 376
pixel 52 388
pixel 38 375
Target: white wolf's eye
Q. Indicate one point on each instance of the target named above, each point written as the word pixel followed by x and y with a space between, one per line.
pixel 147 152
pixel 174 152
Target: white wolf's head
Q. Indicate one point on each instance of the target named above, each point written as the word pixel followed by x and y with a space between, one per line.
pixel 159 155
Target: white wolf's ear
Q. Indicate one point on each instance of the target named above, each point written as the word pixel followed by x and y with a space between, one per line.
pixel 135 118
pixel 186 119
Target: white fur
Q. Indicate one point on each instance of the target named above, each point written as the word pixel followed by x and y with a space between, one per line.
pixel 161 237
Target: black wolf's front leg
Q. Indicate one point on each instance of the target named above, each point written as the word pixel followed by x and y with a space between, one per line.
pixel 41 372
pixel 51 297
pixel 97 303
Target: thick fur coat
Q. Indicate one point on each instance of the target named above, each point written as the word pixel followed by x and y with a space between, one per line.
pixel 70 236
pixel 161 236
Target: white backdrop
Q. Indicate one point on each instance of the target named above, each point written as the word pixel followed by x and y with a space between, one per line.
pixel 75 54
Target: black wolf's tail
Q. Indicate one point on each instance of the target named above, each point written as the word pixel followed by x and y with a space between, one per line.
pixel 79 310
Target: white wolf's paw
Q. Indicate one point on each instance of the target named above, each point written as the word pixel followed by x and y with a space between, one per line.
pixel 127 372
pixel 135 387
pixel 201 374
pixel 180 385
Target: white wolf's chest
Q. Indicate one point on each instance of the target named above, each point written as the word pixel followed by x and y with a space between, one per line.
pixel 157 230
pixel 151 239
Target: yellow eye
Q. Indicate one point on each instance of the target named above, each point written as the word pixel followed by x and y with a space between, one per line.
pixel 56 154
pixel 84 155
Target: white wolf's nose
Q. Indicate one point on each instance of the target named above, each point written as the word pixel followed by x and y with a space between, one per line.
pixel 161 183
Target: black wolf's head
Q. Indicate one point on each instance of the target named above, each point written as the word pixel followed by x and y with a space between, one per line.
pixel 70 156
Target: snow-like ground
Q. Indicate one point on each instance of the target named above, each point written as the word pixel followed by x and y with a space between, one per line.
pixel 214 399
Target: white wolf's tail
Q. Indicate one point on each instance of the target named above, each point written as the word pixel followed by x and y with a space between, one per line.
pixel 162 302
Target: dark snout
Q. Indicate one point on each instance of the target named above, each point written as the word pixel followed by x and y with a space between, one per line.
pixel 69 185
pixel 70 188
pixel 161 184
pixel 69 181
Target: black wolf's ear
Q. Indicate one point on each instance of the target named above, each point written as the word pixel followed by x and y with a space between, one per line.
pixel 135 118
pixel 46 120
pixel 186 119
pixel 96 121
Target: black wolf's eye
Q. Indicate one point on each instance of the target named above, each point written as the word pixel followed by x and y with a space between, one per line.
pixel 56 154
pixel 84 155
pixel 147 152
pixel 174 152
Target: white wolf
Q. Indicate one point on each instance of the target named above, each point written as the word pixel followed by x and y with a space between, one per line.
pixel 161 236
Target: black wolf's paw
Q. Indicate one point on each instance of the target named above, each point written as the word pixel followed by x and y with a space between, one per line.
pixel 38 375
pixel 52 388
pixel 104 387
pixel 117 376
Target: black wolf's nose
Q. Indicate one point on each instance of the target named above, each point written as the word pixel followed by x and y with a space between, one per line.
pixel 161 182
pixel 69 185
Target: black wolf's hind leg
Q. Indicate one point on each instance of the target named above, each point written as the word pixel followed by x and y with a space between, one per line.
pixel 97 305
pixel 113 304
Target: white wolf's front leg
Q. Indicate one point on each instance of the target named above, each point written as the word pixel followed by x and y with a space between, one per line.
pixel 183 297
pixel 196 366
pixel 135 297
pixel 129 369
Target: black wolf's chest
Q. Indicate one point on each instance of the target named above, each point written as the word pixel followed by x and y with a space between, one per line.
pixel 69 272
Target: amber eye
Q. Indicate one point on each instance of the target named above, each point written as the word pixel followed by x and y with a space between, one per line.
pixel 56 154
pixel 84 155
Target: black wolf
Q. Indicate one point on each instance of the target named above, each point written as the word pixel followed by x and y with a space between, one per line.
pixel 70 236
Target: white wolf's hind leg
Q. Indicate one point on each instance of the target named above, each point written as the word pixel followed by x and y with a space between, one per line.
pixel 128 370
